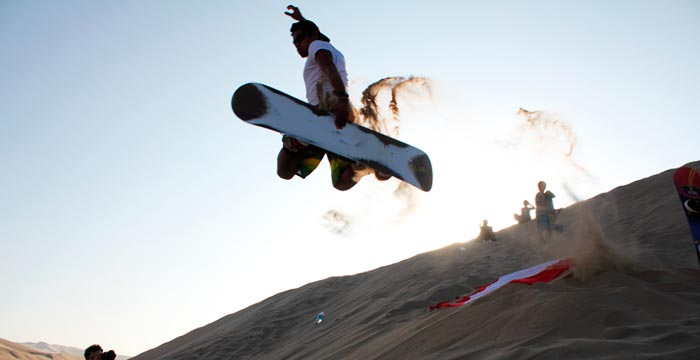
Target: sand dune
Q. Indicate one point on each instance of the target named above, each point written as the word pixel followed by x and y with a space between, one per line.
pixel 13 351
pixel 634 294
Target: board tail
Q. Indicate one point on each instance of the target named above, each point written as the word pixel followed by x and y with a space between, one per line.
pixel 249 103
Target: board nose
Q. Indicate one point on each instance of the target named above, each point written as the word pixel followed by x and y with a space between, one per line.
pixel 423 170
pixel 248 102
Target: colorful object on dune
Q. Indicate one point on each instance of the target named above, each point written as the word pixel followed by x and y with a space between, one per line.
pixel 545 272
pixel 687 182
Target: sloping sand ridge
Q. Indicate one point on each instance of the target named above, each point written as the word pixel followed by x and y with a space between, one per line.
pixel 634 294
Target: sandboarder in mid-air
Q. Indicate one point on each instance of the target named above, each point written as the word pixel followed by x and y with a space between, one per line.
pixel 325 126
pixel 325 77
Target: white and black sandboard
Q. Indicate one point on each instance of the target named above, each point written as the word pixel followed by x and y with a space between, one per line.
pixel 270 108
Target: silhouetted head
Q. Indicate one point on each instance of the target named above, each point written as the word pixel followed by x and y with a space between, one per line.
pixel 303 33
pixel 94 352
pixel 541 185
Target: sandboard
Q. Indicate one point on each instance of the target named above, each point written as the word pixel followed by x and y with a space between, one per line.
pixel 687 182
pixel 270 108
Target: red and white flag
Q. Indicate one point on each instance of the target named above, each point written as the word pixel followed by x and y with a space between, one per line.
pixel 545 272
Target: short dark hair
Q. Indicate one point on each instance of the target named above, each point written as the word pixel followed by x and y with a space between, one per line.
pixel 91 349
pixel 308 27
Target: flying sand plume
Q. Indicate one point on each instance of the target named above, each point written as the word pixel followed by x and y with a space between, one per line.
pixel 540 122
pixel 373 117
pixel 552 131
pixel 408 195
pixel 396 86
pixel 337 222
pixel 593 248
pixel 376 99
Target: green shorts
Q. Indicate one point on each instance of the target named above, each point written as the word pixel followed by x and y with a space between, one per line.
pixel 313 155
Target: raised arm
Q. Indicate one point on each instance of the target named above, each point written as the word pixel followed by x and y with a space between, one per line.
pixel 295 13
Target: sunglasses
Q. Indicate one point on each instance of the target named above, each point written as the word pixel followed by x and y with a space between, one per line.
pixel 299 38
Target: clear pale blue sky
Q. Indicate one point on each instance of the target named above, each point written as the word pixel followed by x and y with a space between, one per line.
pixel 134 206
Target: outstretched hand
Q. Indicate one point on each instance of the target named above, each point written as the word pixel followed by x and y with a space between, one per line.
pixel 295 13
pixel 342 113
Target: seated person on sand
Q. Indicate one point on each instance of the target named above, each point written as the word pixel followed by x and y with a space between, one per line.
pixel 486 232
pixel 524 213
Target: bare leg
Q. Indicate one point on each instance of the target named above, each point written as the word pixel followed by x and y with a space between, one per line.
pixel 288 163
pixel 346 181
